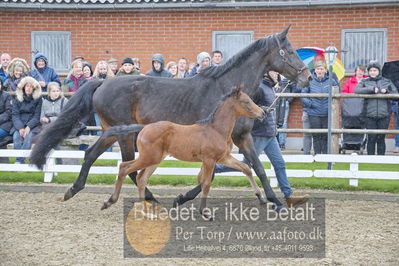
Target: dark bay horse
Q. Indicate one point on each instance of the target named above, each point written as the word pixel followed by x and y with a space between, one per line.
pixel 208 141
pixel 144 100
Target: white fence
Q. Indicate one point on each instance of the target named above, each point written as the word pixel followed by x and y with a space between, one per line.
pixel 354 174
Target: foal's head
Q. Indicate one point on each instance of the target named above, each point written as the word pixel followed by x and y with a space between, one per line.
pixel 244 106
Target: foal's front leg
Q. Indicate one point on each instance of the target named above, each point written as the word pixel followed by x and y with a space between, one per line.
pixel 232 162
pixel 206 180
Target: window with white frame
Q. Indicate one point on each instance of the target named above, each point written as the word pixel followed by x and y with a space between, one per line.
pixel 230 42
pixel 363 45
pixel 55 45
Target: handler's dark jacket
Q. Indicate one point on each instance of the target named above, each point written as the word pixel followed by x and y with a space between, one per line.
pixel 376 108
pixel 5 111
pixel 26 109
pixel 282 102
pixel 264 97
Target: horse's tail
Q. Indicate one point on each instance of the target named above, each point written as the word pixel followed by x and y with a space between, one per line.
pixel 79 106
pixel 123 130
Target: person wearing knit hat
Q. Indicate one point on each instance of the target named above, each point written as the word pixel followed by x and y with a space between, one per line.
pixel 320 63
pixel 127 68
pixel 203 61
pixel 113 64
pixel 378 111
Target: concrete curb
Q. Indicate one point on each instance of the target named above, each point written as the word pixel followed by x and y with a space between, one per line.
pixel 170 191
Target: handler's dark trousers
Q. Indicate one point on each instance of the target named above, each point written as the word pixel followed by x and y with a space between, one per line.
pixel 319 140
pixel 379 139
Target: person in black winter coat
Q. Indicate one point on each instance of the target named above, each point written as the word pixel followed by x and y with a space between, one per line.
pixel 26 110
pixel 5 116
pixel 378 111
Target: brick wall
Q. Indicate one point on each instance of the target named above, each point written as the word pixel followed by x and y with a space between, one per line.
pixel 101 35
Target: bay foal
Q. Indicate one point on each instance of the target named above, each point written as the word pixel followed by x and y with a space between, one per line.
pixel 208 141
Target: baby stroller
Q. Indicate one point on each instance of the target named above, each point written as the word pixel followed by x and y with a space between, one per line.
pixel 353 117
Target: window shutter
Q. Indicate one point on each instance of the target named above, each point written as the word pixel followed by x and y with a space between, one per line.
pixel 230 42
pixel 56 45
pixel 362 46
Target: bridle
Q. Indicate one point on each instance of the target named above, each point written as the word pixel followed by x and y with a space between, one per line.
pixel 285 59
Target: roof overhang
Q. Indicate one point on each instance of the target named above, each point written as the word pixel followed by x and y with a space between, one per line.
pixel 153 5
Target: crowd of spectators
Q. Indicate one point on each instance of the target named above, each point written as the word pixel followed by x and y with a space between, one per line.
pixel 25 113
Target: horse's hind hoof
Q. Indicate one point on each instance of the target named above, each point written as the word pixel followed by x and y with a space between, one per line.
pixel 178 201
pixel 207 217
pixel 276 201
pixel 276 207
pixel 105 206
pixel 69 194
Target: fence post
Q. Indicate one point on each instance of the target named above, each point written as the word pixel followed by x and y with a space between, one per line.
pixel 354 168
pixel 335 120
pixel 118 165
pixel 49 174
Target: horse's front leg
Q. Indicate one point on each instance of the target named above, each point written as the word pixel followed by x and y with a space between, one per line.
pixel 191 194
pixel 91 154
pixel 246 145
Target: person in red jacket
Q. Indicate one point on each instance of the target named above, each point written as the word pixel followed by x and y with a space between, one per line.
pixel 351 83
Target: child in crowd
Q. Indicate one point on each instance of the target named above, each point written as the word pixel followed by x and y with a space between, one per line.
pixel 52 104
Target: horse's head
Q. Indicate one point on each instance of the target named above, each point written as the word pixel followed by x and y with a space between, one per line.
pixel 285 60
pixel 244 106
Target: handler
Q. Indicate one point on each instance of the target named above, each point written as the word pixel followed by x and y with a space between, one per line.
pixel 264 135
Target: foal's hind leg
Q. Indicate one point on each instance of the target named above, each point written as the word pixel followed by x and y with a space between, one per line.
pixel 91 154
pixel 232 162
pixel 142 179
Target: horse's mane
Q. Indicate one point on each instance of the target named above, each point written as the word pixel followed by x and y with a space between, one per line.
pixel 211 116
pixel 237 59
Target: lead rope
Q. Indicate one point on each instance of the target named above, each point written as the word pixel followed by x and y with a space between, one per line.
pixel 270 108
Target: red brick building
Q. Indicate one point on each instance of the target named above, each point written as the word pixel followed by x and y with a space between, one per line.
pixel 100 29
